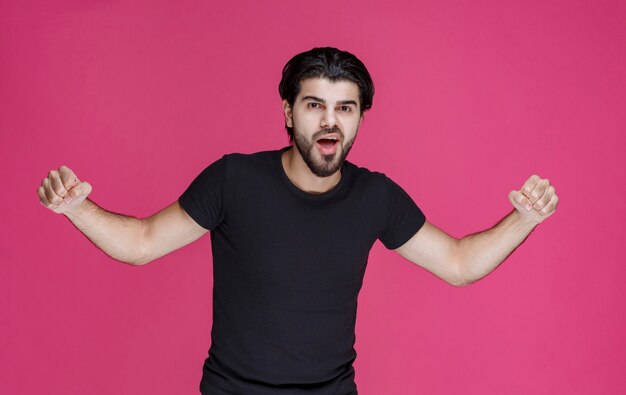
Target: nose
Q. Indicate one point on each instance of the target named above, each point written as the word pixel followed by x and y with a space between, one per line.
pixel 328 119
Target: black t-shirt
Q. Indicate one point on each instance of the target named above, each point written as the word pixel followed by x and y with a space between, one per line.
pixel 287 269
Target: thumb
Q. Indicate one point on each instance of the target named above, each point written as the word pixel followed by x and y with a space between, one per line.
pixel 80 191
pixel 519 201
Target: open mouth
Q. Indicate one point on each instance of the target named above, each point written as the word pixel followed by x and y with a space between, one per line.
pixel 327 146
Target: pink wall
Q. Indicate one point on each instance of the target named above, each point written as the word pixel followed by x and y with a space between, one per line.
pixel 471 99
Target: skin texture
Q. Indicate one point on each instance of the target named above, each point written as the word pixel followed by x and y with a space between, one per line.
pixel 321 107
pixel 311 119
pixel 127 239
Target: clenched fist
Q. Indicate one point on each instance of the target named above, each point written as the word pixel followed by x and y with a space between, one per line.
pixel 536 200
pixel 61 191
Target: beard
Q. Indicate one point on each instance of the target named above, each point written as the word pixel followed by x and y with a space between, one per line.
pixel 329 163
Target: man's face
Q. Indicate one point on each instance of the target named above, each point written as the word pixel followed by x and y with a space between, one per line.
pixel 325 118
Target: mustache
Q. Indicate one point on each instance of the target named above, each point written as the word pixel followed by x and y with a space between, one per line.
pixel 326 131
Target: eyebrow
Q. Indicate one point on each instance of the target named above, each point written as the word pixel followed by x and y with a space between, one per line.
pixel 317 99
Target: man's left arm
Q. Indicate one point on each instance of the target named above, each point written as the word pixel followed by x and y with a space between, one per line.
pixel 462 262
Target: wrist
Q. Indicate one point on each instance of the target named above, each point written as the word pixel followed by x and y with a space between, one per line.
pixel 524 220
pixel 78 210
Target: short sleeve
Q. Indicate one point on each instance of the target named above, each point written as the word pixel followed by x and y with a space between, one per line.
pixel 404 218
pixel 204 199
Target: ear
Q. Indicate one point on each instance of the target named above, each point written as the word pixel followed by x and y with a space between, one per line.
pixel 288 113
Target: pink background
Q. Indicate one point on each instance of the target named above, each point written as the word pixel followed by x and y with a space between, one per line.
pixel 471 99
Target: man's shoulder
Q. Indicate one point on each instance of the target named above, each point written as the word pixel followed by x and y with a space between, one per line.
pixel 240 164
pixel 365 174
pixel 251 155
pixel 250 158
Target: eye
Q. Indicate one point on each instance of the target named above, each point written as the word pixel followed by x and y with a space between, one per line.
pixel 313 105
pixel 345 108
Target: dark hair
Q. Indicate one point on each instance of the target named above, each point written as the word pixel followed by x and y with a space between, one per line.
pixel 329 63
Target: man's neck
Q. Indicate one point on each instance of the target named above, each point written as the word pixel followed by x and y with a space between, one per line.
pixel 302 177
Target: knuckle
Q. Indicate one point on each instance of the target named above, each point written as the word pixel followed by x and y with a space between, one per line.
pixel 67 171
pixel 66 181
pixel 41 193
pixel 50 193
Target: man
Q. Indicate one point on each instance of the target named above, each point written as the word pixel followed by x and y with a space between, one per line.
pixel 291 231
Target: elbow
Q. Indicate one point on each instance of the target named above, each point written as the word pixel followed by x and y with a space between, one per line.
pixel 132 251
pixel 461 279
pixel 139 262
pixel 134 261
pixel 460 283
pixel 142 252
pixel 142 257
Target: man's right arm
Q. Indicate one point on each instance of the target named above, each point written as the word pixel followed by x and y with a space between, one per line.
pixel 128 239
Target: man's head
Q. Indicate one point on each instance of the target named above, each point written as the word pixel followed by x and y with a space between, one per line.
pixel 329 63
pixel 325 93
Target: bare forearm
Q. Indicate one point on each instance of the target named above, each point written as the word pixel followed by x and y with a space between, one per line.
pixel 117 235
pixel 483 252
